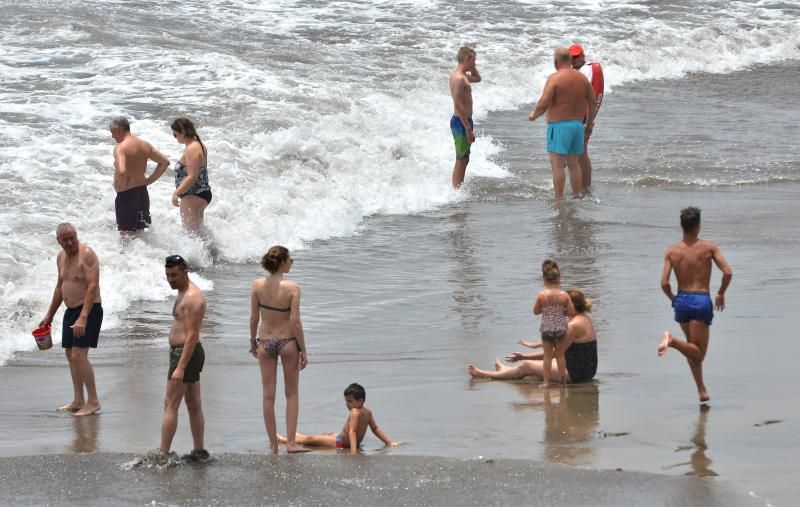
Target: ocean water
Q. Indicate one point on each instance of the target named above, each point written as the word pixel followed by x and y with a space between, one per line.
pixel 318 114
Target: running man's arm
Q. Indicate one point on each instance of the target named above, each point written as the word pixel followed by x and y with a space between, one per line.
pixel 255 315
pixel 91 270
pixel 543 104
pixel 57 299
pixel 162 164
pixel 193 312
pixel 378 432
pixel 297 325
pixel 727 275
pixel 665 286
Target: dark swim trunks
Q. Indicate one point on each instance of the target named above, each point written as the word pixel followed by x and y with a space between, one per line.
pixel 92 333
pixel 693 306
pixel 192 372
pixel 133 209
pixel 581 359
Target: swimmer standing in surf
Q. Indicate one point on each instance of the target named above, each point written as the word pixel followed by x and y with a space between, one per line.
pixel 691 259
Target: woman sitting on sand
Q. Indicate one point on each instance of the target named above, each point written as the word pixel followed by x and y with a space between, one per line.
pixel 580 354
pixel 275 303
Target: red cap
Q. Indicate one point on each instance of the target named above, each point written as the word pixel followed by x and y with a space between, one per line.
pixel 575 50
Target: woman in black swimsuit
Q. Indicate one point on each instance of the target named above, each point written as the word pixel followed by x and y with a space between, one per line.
pixel 581 352
pixel 192 190
pixel 275 304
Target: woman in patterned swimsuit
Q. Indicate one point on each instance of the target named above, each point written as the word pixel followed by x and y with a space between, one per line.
pixel 275 304
pixel 192 190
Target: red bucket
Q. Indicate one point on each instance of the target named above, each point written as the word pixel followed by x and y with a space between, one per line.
pixel 42 337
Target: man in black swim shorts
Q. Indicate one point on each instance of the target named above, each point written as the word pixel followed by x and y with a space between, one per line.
pixel 131 154
pixel 78 287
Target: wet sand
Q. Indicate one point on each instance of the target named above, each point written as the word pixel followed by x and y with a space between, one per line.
pixel 100 479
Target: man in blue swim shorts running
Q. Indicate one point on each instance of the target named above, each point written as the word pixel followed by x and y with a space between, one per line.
pixel 461 121
pixel 567 98
pixel 691 259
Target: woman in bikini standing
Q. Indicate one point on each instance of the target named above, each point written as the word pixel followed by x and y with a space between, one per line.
pixel 192 190
pixel 275 303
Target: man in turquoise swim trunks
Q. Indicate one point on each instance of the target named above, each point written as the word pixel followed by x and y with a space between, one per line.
pixel 566 98
pixel 461 122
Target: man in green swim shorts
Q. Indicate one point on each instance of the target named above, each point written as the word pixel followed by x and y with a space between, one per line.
pixel 186 358
pixel 461 122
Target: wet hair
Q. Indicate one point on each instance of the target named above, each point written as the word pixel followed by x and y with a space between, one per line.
pixel 122 123
pixel 550 271
pixel 561 55
pixel 356 391
pixel 175 260
pixel 63 226
pixel 464 52
pixel 581 303
pixel 187 128
pixel 274 257
pixel 690 218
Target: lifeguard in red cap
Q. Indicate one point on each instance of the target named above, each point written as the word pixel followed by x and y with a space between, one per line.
pixel 594 73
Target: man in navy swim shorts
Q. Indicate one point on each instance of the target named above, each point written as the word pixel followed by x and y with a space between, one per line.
pixel 567 99
pixel 691 259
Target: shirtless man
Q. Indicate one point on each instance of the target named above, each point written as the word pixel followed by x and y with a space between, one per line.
pixel 130 163
pixel 566 96
pixel 355 427
pixel 78 287
pixel 461 123
pixel 594 73
pixel 186 358
pixel 691 260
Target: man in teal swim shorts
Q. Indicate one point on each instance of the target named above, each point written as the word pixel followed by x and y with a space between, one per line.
pixel 461 122
pixel 566 97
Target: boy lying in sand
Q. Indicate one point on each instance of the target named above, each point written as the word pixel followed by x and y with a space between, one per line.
pixel 355 427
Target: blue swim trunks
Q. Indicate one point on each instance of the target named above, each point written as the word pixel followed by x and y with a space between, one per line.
pixel 565 137
pixel 460 137
pixel 693 306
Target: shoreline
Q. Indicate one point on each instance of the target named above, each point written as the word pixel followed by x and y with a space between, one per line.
pixel 239 479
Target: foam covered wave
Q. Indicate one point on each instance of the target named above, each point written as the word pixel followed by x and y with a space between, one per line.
pixel 316 114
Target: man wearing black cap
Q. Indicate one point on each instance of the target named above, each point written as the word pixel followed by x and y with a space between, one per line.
pixel 594 73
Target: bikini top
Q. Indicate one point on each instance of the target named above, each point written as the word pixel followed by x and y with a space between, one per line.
pixel 274 309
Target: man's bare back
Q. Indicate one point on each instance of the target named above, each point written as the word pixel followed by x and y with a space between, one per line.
pixel 130 162
pixel 571 95
pixel 691 261
pixel 189 310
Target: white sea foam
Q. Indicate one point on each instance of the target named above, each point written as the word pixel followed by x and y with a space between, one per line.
pixel 316 115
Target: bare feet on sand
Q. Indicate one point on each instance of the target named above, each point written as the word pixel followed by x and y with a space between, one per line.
pixel 291 449
pixel 498 366
pixel 704 397
pixel 475 372
pixel 88 409
pixel 72 406
pixel 664 345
